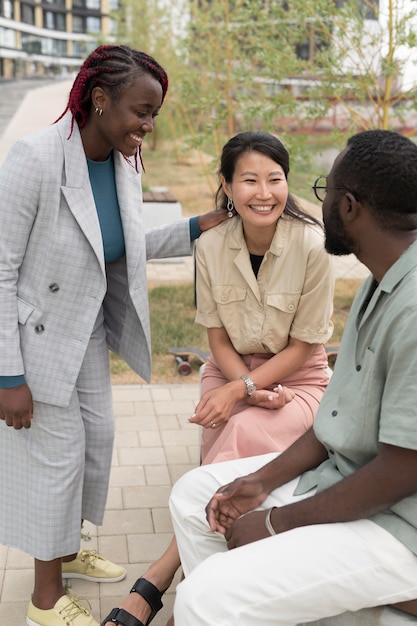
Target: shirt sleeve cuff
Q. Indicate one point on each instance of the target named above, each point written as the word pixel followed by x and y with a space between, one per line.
pixel 195 232
pixel 7 382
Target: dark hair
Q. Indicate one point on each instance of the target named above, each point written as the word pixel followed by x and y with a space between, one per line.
pixel 112 68
pixel 380 168
pixel 270 146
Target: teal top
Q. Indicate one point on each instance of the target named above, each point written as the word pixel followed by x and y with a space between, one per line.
pixel 372 395
pixel 103 184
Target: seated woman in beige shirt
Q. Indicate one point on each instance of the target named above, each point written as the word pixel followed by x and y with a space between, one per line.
pixel 265 294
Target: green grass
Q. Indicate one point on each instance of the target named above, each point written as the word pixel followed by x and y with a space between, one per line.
pixel 172 319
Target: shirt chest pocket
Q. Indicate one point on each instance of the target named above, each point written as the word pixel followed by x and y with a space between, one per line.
pixel 283 302
pixel 228 294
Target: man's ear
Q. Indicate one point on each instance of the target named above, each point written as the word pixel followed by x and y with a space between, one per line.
pixel 349 207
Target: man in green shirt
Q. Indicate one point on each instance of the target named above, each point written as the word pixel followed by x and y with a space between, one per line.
pixel 334 517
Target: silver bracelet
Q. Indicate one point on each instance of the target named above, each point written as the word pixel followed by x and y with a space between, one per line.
pixel 268 524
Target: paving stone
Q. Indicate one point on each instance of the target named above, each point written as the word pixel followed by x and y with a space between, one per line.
pixel 141 456
pixel 122 476
pixel 148 497
pixel 157 475
pixel 131 521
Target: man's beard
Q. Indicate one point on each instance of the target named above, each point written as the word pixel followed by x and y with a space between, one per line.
pixel 337 241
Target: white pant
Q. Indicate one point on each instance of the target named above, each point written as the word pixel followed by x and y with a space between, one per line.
pixel 299 576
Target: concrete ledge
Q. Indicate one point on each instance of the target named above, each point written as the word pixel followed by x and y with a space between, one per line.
pixel 161 207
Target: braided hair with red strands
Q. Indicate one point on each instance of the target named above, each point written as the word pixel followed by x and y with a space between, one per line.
pixel 112 68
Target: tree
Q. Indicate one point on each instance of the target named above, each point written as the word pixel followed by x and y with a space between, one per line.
pixel 292 68
pixel 365 73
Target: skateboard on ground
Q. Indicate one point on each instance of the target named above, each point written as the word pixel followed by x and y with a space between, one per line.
pixel 332 352
pixel 183 355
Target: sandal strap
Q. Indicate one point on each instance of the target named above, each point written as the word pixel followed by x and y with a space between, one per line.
pixel 122 617
pixel 151 594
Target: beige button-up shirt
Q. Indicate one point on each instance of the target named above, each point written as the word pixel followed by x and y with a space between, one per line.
pixel 292 295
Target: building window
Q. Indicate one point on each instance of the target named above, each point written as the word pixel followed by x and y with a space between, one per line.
pixel 54 47
pixel 87 4
pixel 93 25
pixel 82 24
pixel 43 45
pixel 114 5
pixel 82 49
pixel 7 37
pixel 369 8
pixel 54 21
pixel 78 24
pixel 31 44
pixel 27 13
pixel 6 9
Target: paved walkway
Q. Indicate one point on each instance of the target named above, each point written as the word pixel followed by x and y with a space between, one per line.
pixel 154 445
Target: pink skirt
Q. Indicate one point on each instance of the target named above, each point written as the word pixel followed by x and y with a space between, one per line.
pixel 253 430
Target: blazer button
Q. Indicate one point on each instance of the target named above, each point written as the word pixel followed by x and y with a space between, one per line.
pixel 54 287
pixel 39 328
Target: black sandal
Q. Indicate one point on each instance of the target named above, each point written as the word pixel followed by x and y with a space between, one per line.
pixel 122 617
pixel 150 593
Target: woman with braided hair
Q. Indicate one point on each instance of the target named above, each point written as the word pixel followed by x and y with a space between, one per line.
pixel 73 254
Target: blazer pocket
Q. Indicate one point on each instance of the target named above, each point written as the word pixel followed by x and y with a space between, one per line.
pixel 24 310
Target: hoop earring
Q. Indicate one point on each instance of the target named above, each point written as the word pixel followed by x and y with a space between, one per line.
pixel 230 207
pixel 98 111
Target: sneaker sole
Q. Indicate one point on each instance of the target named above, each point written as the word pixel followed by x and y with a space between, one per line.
pixel 92 579
pixel 30 622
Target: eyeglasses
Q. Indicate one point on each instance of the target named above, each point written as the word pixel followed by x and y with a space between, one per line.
pixel 321 184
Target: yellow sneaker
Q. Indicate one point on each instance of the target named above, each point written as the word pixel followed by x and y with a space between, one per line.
pixel 68 611
pixel 89 565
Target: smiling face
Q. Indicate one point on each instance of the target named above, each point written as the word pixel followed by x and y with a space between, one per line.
pixel 259 189
pixel 125 120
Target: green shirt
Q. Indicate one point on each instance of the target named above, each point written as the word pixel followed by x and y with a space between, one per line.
pixel 372 395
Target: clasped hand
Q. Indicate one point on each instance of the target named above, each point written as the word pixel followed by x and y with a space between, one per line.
pixel 276 399
pixel 215 406
pixel 232 501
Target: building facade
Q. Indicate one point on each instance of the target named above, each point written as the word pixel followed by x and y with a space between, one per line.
pixel 40 37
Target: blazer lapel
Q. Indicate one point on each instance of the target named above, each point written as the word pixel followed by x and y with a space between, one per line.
pixel 131 212
pixel 76 187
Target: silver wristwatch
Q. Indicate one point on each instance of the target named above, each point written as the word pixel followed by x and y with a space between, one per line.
pixel 250 385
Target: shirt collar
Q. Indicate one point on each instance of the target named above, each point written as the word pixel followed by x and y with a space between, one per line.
pixel 406 263
pixel 278 242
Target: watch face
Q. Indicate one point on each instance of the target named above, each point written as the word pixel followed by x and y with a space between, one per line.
pixel 251 388
pixel 250 385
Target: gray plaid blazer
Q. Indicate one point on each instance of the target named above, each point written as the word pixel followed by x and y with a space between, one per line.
pixel 53 279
